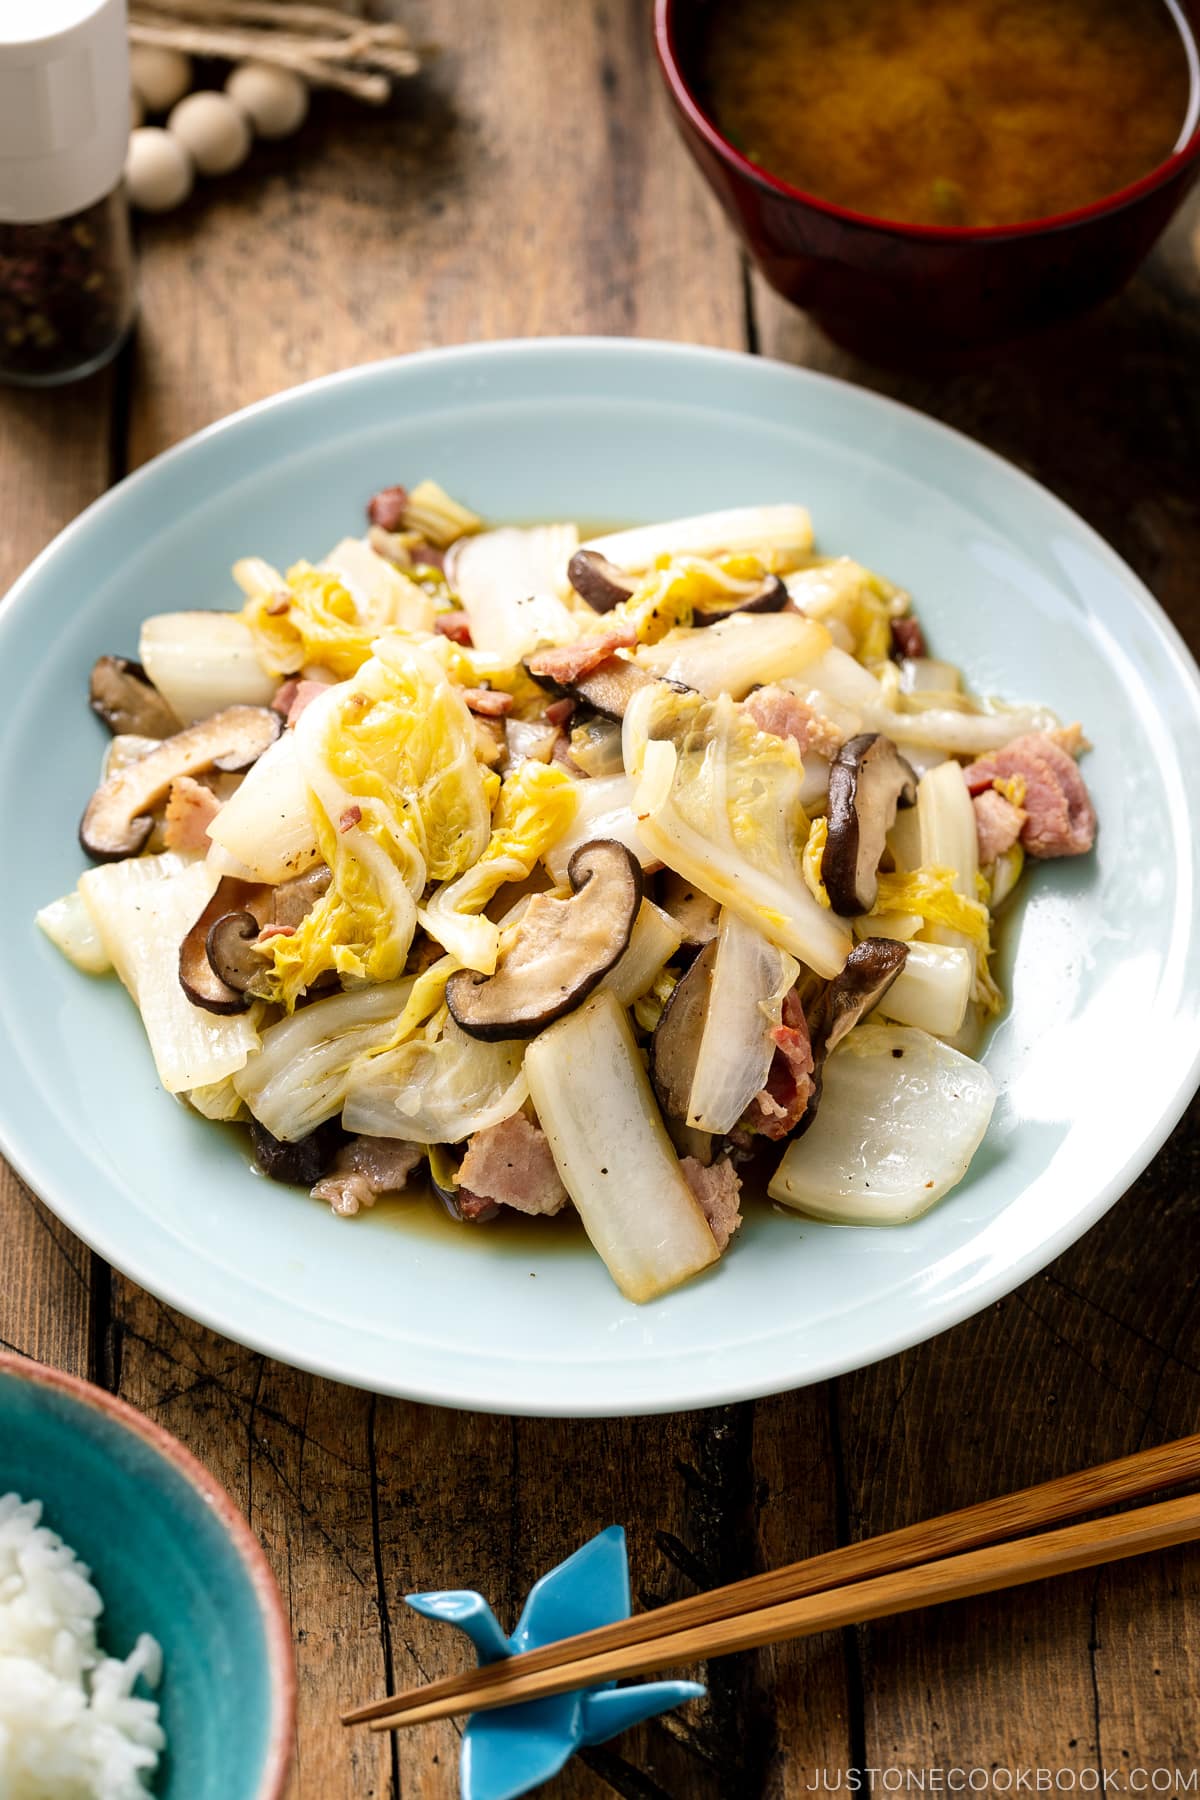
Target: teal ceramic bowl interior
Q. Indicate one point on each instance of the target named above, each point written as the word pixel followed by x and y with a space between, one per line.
pixel 1094 1059
pixel 169 1554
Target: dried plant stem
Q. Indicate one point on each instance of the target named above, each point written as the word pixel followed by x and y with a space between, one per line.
pixel 290 13
pixel 328 47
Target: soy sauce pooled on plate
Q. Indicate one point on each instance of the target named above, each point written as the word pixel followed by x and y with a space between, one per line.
pixel 951 112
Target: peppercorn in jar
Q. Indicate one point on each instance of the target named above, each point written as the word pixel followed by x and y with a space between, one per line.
pixel 67 295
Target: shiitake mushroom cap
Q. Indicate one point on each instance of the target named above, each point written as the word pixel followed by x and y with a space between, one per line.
pixel 600 582
pixel 562 950
pixel 122 694
pixel 116 823
pixel 868 780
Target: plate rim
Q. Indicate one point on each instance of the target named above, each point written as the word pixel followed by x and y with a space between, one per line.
pixel 709 1392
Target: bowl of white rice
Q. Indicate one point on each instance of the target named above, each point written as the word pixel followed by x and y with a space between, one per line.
pixel 144 1649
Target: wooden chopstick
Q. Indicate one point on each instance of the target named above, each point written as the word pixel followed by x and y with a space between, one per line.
pixel 987 1522
pixel 981 1571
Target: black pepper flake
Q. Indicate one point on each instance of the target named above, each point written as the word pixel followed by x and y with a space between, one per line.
pixel 66 292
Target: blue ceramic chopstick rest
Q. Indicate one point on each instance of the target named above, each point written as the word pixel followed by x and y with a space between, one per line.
pixel 514 1749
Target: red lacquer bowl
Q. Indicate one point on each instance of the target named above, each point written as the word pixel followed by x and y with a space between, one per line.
pixel 897 292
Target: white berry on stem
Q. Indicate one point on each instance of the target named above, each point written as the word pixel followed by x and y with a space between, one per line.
pixel 275 100
pixel 213 130
pixel 160 77
pixel 158 170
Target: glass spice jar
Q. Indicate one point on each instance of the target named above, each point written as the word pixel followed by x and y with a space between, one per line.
pixel 67 291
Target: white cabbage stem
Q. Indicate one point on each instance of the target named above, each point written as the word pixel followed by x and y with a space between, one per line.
pixel 786 530
pixel 749 981
pixel 203 661
pixel 901 1116
pixel 611 1148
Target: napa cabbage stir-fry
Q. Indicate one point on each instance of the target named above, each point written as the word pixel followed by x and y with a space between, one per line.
pixel 559 875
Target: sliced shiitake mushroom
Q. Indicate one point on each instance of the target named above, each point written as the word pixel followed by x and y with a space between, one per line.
pixel 607 687
pixel 868 780
pixel 206 981
pixel 769 596
pixel 293 900
pixel 302 1162
pixel 610 686
pixel 231 954
pixel 845 1002
pixel 868 973
pixel 697 916
pixel 116 822
pixel 599 581
pixel 562 949
pixel 122 694
pixel 674 1049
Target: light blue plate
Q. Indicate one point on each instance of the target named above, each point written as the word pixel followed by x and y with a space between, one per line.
pixel 1095 1059
pixel 171 1555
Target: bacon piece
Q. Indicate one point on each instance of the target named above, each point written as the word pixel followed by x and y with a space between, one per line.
pixel 510 1164
pixel 274 931
pixel 284 695
pixel 718 1191
pixel 997 824
pixel 456 626
pixel 779 1107
pixel 350 818
pixel 559 711
pixel 571 662
pixel 190 810
pixel 1059 817
pixel 476 1208
pixel 365 1168
pixel 306 692
pixel 785 715
pixel 295 695
pixel 490 703
pixel 388 507
pixel 907 638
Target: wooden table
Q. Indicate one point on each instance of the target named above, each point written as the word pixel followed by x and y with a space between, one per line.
pixel 531 183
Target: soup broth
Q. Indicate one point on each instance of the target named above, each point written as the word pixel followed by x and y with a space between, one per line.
pixel 950 112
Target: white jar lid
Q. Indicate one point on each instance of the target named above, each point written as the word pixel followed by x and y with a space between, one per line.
pixel 64 105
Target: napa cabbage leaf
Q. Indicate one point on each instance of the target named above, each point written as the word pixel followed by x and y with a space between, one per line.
pixel 931 894
pixel 398 800
pixel 536 805
pixel 718 801
pixel 328 616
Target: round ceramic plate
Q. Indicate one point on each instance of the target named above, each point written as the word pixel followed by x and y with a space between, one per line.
pixel 1094 1059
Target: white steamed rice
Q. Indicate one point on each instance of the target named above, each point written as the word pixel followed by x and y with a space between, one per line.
pixel 70 1726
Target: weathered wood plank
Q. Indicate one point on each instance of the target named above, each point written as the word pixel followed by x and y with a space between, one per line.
pixel 54 456
pixel 54 460
pixel 527 185
pixel 806 1688
pixel 45 1281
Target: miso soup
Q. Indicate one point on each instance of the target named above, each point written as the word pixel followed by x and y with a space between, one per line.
pixel 951 112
